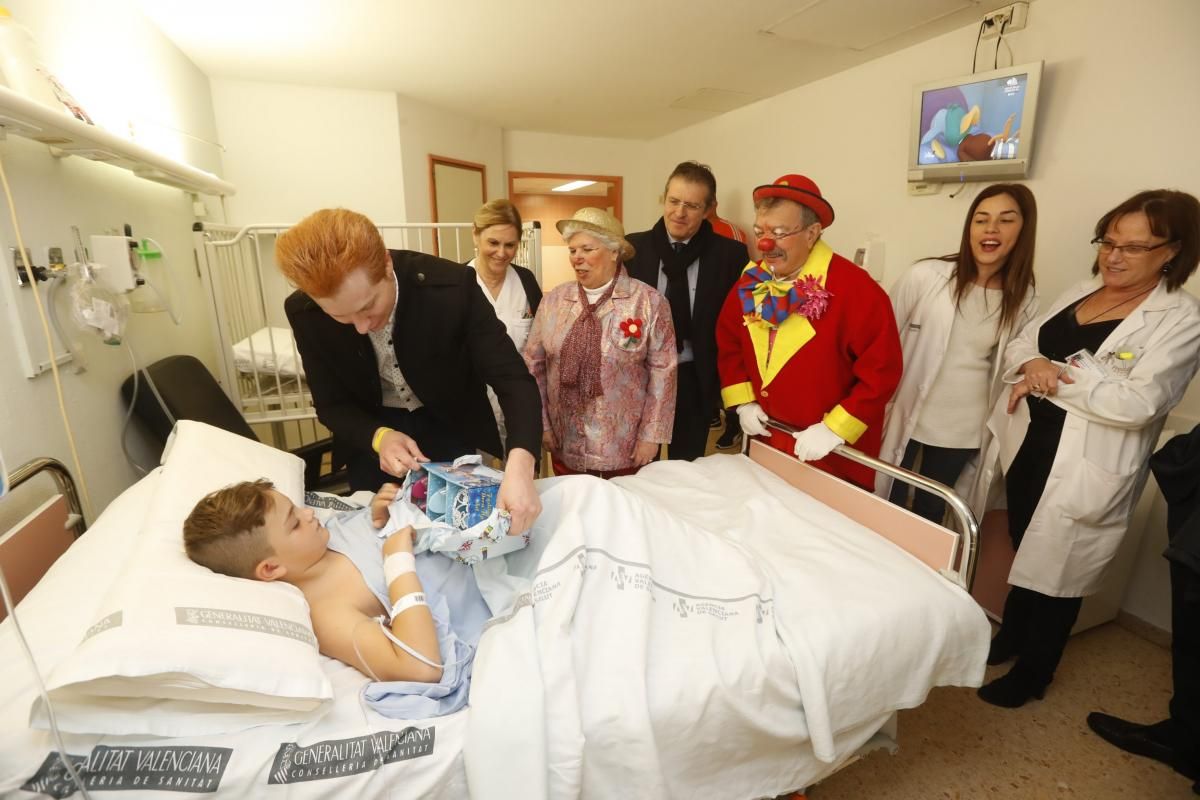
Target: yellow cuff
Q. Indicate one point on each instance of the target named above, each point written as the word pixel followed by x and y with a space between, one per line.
pixel 377 439
pixel 737 394
pixel 844 424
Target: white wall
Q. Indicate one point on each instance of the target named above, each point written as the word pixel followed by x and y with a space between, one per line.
pixel 425 130
pixel 163 93
pixel 291 150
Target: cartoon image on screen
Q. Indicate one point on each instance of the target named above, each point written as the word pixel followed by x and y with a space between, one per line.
pixel 972 122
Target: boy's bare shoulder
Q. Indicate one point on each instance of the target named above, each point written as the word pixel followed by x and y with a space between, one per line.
pixel 341 591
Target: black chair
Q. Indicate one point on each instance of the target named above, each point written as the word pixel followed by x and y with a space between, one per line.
pixel 189 391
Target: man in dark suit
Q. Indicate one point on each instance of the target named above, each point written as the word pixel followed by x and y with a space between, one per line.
pixel 397 348
pixel 694 268
pixel 1175 741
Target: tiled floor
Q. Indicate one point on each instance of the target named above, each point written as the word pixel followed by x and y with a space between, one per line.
pixel 956 747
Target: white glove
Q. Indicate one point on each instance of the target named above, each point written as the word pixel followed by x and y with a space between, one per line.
pixel 816 441
pixel 752 419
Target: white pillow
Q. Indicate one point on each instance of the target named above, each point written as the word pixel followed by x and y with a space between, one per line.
pixel 175 649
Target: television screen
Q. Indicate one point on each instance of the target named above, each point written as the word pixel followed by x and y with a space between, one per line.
pixel 965 126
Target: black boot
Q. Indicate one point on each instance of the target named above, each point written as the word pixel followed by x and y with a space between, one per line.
pixel 1003 648
pixel 1013 689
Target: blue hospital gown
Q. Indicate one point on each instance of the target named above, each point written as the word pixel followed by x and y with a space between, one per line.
pixel 458 609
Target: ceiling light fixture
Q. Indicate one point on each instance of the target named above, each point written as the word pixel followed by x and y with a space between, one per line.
pixel 572 186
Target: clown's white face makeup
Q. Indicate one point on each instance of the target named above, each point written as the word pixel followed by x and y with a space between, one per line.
pixel 784 241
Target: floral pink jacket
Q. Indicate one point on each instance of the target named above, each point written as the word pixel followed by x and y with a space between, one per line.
pixel 637 372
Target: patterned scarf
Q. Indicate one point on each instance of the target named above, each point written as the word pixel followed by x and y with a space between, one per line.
pixel 779 299
pixel 579 359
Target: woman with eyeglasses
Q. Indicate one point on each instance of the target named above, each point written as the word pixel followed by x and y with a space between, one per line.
pixel 956 314
pixel 1093 379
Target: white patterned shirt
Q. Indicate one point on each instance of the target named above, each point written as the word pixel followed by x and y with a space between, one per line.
pixel 396 391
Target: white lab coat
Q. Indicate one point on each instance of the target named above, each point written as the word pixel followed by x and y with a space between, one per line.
pixel 1111 426
pixel 925 308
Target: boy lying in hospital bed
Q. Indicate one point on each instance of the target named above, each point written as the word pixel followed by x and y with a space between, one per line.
pixel 353 580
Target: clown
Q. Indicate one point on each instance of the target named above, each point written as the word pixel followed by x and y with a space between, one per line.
pixel 806 337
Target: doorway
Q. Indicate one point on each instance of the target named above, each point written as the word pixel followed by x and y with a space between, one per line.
pixel 457 190
pixel 551 196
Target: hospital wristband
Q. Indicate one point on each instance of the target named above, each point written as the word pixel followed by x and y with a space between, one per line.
pixel 398 564
pixel 405 603
pixel 377 439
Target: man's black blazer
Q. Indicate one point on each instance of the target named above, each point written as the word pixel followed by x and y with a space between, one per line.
pixel 449 344
pixel 720 265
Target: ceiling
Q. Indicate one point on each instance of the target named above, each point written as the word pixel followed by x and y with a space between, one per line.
pixel 621 68
pixel 547 186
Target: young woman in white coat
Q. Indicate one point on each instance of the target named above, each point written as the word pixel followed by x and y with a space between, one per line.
pixel 1093 379
pixel 956 314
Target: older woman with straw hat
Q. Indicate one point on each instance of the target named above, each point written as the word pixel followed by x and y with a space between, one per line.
pixel 602 349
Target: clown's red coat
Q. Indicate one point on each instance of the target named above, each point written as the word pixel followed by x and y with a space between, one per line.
pixel 841 368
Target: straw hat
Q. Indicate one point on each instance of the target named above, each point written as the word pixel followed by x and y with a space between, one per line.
pixel 598 220
pixel 802 190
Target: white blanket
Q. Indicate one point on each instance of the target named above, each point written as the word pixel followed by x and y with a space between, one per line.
pixel 695 630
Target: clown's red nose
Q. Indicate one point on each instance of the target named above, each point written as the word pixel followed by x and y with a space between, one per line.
pixel 765 244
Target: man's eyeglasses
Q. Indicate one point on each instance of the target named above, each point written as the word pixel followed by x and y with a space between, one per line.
pixel 777 234
pixel 1105 247
pixel 675 203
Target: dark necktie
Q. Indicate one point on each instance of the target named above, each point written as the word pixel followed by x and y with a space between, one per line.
pixel 679 296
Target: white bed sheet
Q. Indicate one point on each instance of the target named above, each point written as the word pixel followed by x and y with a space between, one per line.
pixel 349 752
pixel 679 620
pixel 870 627
pixel 705 630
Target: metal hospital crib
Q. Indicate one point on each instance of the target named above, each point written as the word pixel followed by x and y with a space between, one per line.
pixel 259 367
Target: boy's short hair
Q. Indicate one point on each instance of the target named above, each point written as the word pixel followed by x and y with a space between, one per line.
pixel 226 530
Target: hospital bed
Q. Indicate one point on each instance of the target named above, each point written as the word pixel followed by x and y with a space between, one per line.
pixel 737 627
pixel 259 366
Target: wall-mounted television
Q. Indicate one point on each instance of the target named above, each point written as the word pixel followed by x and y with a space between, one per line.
pixel 977 127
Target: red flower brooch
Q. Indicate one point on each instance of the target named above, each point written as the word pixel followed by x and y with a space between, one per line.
pixel 815 297
pixel 632 330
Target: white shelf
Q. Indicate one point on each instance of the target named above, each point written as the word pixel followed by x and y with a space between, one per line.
pixel 68 136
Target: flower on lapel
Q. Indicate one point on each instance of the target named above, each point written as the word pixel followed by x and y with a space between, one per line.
pixel 815 297
pixel 632 330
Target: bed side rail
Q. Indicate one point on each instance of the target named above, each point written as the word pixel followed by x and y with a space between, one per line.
pixel 31 546
pixel 962 562
pixel 62 481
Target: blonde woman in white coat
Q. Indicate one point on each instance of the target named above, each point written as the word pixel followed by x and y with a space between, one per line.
pixel 1093 380
pixel 956 314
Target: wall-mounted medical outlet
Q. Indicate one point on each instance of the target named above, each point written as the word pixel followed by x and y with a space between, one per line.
pixel 54 258
pixel 870 257
pixel 1006 20
pixel 21 265
pixel 115 261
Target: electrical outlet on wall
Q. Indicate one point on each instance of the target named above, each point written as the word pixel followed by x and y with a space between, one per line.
pixel 1008 19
